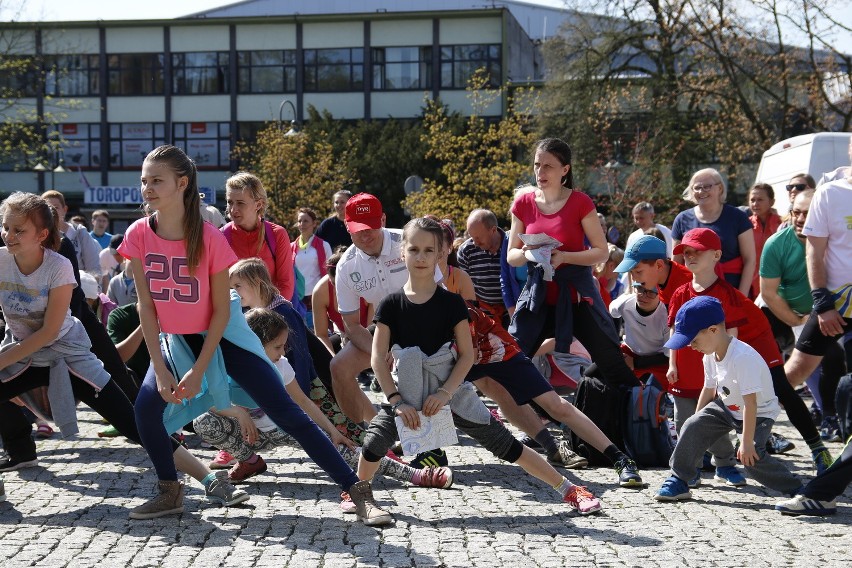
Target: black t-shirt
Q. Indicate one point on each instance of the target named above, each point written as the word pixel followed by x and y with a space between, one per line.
pixel 333 231
pixel 428 325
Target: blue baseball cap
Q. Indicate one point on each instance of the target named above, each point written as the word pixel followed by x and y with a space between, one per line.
pixel 646 247
pixel 697 314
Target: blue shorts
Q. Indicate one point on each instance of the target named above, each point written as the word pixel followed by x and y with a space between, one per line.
pixel 518 375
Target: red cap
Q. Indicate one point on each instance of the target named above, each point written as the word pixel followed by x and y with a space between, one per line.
pixel 363 211
pixel 699 239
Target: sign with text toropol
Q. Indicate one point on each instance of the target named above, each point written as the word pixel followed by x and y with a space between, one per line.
pixel 128 195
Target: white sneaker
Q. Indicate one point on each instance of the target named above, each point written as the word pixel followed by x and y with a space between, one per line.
pixel 801 505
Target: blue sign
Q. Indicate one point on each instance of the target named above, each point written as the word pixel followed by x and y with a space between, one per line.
pixel 126 195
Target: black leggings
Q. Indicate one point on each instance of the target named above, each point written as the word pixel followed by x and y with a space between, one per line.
pixel 832 482
pixel 605 352
pixel 793 404
pixel 15 428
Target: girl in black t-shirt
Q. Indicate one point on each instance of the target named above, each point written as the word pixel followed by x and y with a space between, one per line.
pixel 424 316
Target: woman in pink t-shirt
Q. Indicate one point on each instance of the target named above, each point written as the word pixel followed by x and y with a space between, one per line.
pixel 570 305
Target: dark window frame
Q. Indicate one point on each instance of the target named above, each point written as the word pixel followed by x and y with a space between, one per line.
pixel 182 137
pixel 252 67
pixel 116 131
pixel 320 66
pixel 457 57
pixel 60 69
pixel 220 70
pixel 128 71
pixel 423 63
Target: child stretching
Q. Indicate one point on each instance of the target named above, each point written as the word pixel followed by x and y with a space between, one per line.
pixel 185 295
pixel 222 428
pixel 43 341
pixel 737 395
pixel 422 321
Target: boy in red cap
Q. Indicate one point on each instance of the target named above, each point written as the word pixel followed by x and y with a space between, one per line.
pixel 701 249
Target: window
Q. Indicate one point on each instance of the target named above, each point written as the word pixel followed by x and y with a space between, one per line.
pixel 129 143
pixel 72 75
pixel 19 77
pixel 200 73
pixel 334 69
pixel 400 68
pixel 458 63
pixel 208 143
pixel 80 144
pixel 135 74
pixel 267 71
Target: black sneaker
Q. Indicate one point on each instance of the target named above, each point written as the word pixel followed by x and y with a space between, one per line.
pixel 530 443
pixel 778 444
pixel 432 458
pixel 10 464
pixel 375 386
pixel 628 473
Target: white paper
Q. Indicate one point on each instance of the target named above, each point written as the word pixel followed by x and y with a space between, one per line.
pixel 541 255
pixel 437 431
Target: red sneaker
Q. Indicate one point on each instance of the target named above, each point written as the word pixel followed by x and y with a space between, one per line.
pixel 440 477
pixel 223 460
pixel 243 470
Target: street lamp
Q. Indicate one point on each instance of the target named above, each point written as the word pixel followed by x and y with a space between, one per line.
pixel 294 128
pixel 59 169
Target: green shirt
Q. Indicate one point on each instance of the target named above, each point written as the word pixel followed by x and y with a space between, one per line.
pixel 784 257
pixel 121 323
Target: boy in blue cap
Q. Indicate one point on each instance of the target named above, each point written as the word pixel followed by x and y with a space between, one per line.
pixel 737 395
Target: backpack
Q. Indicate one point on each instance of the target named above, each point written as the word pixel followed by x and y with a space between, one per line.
pixel 604 405
pixel 647 436
pixel 843 404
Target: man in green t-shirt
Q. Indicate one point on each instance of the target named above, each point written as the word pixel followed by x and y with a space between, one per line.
pixel 124 330
pixel 785 288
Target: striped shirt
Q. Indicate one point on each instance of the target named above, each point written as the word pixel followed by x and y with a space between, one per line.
pixel 484 269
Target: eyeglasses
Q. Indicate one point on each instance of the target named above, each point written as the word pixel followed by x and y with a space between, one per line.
pixel 705 187
pixel 797 187
pixel 640 291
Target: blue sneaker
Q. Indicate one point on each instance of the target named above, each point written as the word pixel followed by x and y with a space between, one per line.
pixel 695 481
pixel 706 463
pixel 822 461
pixel 731 475
pixel 673 489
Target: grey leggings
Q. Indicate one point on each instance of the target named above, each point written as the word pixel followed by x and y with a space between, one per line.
pixel 224 432
pixel 722 449
pixel 493 436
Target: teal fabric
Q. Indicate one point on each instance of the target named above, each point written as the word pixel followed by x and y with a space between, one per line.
pixel 217 388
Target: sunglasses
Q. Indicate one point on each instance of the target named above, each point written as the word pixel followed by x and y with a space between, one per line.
pixel 640 291
pixel 796 186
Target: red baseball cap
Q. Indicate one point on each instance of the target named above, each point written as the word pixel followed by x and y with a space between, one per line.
pixel 699 239
pixel 363 211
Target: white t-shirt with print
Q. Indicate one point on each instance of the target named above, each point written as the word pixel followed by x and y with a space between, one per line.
pixel 742 371
pixel 644 335
pixel 261 420
pixel 830 216
pixel 24 297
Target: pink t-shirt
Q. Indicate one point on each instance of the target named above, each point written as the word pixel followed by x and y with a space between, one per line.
pixel 183 301
pixel 564 225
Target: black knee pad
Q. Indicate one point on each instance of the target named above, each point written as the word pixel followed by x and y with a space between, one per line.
pixel 514 452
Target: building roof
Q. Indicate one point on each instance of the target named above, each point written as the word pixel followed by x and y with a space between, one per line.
pixel 539 18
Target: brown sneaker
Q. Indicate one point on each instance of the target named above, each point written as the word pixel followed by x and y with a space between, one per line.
pixel 365 506
pixel 168 502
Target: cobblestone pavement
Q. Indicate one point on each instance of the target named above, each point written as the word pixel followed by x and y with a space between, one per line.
pixel 72 511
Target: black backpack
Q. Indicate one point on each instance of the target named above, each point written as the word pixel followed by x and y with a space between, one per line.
pixel 647 435
pixel 843 403
pixel 604 405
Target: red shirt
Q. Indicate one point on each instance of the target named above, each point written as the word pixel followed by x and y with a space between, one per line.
pixel 740 313
pixel 761 234
pixel 678 276
pixel 565 225
pixel 280 268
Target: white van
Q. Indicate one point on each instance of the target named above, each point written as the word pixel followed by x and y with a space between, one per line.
pixel 815 154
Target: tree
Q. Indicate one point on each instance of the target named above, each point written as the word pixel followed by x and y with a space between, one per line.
pixel 300 170
pixel 479 165
pixel 686 83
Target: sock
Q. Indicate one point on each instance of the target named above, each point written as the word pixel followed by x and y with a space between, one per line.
pixel 208 479
pixel 547 441
pixel 816 445
pixel 613 454
pixel 563 487
pixel 253 459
